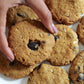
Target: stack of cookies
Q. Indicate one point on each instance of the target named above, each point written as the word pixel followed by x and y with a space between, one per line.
pixel 32 44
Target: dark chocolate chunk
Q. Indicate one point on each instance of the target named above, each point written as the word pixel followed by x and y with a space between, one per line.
pixel 43 42
pixel 22 15
pixel 78 79
pixel 56 37
pixel 11 63
pixel 78 68
pixel 33 45
pixel 54 62
pixel 29 79
pixel 14 22
pixel 75 47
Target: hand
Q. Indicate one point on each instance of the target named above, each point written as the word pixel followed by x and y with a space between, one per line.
pixel 37 5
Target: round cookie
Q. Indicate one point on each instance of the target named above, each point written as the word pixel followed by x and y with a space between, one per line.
pixel 20 13
pixel 80 30
pixel 66 46
pixel 66 11
pixel 48 74
pixel 77 69
pixel 14 70
pixel 30 42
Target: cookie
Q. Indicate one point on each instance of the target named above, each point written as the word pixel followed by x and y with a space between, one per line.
pixel 66 46
pixel 77 69
pixel 14 70
pixel 66 11
pixel 30 42
pixel 20 13
pixel 48 74
pixel 80 30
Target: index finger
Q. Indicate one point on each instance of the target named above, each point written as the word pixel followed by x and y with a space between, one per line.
pixel 43 12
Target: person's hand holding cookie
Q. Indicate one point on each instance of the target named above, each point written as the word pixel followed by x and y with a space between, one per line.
pixel 37 5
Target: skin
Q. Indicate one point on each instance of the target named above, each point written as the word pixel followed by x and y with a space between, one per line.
pixel 37 5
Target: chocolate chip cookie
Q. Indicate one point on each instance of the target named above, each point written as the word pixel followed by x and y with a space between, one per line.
pixel 15 69
pixel 48 74
pixel 80 30
pixel 20 13
pixel 30 42
pixel 66 11
pixel 66 46
pixel 77 69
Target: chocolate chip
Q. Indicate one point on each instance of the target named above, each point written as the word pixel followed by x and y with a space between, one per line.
pixel 11 63
pixel 78 79
pixel 21 15
pixel 33 45
pixel 43 42
pixel 29 79
pixel 14 22
pixel 54 62
pixel 78 69
pixel 56 37
pixel 75 47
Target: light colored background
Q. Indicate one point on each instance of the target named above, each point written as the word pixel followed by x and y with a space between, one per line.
pixel 7 80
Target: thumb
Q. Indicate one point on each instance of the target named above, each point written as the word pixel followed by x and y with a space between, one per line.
pixel 43 12
pixel 3 40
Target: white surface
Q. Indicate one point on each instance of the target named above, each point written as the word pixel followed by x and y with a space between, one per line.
pixel 7 80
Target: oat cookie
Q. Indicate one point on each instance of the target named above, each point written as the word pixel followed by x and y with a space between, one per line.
pixel 48 74
pixel 30 42
pixel 15 69
pixel 22 12
pixel 77 69
pixel 66 11
pixel 66 46
pixel 80 30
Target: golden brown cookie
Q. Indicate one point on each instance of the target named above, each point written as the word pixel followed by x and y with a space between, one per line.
pixel 30 42
pixel 15 69
pixel 66 11
pixel 48 74
pixel 77 69
pixel 80 30
pixel 20 13
pixel 66 46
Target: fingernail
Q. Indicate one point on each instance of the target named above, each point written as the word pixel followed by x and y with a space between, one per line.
pixel 54 28
pixel 10 59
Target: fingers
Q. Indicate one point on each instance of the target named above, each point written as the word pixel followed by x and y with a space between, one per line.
pixel 4 47
pixel 3 40
pixel 43 12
